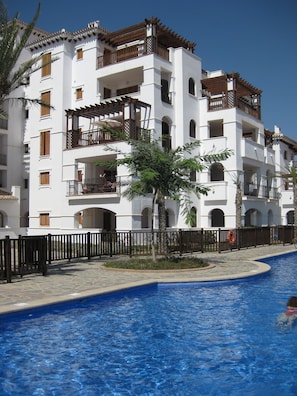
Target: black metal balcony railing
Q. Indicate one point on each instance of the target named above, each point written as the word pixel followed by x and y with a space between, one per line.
pixel 93 186
pixel 261 191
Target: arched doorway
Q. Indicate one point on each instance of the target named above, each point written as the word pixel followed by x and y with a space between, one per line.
pixel 2 219
pixel 97 218
pixel 290 217
pixel 193 217
pixel 253 218
pixel 217 218
pixel 169 218
pixel 216 172
pixel 146 218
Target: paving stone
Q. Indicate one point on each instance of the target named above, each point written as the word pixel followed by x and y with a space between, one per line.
pixel 69 280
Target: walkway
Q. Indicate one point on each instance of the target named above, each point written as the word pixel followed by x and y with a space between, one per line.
pixel 85 278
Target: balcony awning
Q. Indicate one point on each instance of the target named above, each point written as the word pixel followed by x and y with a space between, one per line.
pixel 217 85
pixel 105 108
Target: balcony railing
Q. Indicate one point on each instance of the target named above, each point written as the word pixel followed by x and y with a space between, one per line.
pixel 131 52
pixel 220 102
pixel 77 139
pixel 261 191
pixel 93 186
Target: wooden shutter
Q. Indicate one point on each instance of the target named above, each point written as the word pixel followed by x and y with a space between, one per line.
pixel 79 53
pixel 45 143
pixel 46 64
pixel 44 178
pixel 46 98
pixel 44 219
pixel 79 93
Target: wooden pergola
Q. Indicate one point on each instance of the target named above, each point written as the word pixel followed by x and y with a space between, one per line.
pixel 237 91
pixel 164 36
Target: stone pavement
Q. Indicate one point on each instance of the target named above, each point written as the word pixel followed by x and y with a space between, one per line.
pixel 70 280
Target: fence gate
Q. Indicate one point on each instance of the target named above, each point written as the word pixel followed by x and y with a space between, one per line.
pixel 32 255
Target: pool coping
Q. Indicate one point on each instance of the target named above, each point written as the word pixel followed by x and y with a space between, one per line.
pixel 261 268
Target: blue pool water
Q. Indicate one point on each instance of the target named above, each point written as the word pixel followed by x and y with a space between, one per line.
pixel 214 338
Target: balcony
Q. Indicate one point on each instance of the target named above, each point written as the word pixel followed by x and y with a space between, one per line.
pixel 261 191
pixel 130 52
pixel 252 150
pixel 106 122
pixel 227 91
pixel 93 187
pixel 220 102
pixel 91 137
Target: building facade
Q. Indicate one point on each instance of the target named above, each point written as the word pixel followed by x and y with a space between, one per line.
pixel 144 80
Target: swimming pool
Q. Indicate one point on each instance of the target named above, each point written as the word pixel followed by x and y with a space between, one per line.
pixel 213 338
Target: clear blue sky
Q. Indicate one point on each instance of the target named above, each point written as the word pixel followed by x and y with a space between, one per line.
pixel 257 38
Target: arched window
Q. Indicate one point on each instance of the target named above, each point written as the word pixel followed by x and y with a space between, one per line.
pixel 216 172
pixel 192 129
pixel 166 138
pixel 170 218
pixel 191 86
pixel 217 218
pixel 1 220
pixel 193 217
pixel 253 218
pixel 146 218
pixel 193 176
pixel 290 217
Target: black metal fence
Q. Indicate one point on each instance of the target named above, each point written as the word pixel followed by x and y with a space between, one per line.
pixel 25 255
pixel 33 254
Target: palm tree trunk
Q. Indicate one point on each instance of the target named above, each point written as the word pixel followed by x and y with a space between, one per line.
pixel 238 206
pixel 162 223
pixel 152 229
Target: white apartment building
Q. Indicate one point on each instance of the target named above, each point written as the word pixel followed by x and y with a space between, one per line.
pixel 14 160
pixel 144 79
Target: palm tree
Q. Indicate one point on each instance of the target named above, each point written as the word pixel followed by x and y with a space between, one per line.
pixel 12 43
pixel 164 173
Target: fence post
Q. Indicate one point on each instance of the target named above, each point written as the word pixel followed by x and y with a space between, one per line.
pixel 110 243
pixel 20 255
pixel 69 247
pixel 42 257
pixel 219 240
pixel 180 242
pixel 7 258
pixel 130 243
pixel 49 248
pixel 89 245
pixel 201 241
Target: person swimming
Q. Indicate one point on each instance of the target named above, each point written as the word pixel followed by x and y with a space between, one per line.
pixel 287 318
